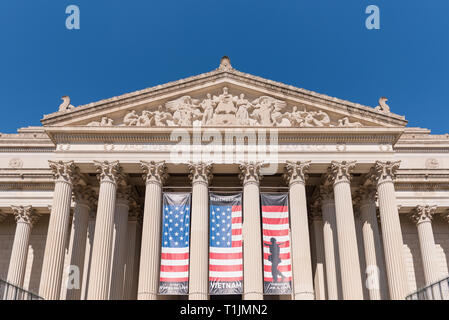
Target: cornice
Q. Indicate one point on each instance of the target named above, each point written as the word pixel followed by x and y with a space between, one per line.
pixel 162 134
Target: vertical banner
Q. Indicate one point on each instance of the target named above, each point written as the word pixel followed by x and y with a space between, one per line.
pixel 225 244
pixel 276 244
pixel 174 275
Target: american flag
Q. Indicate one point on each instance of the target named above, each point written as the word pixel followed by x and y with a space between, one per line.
pixel 225 252
pixel 275 224
pixel 175 239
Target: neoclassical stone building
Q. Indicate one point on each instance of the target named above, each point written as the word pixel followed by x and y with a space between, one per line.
pixel 81 195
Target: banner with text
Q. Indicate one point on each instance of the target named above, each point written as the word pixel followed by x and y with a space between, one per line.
pixel 276 243
pixel 225 244
pixel 174 275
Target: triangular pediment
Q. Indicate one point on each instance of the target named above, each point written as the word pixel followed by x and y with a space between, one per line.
pixel 224 97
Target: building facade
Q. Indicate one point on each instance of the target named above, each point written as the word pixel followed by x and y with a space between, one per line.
pixel 81 195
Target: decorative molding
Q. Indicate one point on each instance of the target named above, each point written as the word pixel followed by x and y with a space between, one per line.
pixel 15 163
pixel 422 214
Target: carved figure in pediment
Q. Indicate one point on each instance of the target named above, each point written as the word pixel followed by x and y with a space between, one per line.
pixel 208 106
pixel 345 122
pixel 242 114
pixel 316 119
pixel 146 119
pixel 185 110
pixel 131 118
pixel 161 117
pixel 264 106
pixel 225 103
pixel 105 122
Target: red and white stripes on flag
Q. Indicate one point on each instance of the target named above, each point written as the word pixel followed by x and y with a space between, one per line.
pixel 276 243
pixel 225 244
pixel 174 273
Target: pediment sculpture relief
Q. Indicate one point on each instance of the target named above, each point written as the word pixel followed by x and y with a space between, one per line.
pixel 227 110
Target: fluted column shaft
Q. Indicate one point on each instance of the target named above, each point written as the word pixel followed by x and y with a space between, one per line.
pixel 301 257
pixel 383 174
pixel 347 239
pixel 330 247
pixel 422 216
pixel 377 282
pixel 155 175
pixel 52 267
pixel 319 279
pixel 88 253
pixel 200 175
pixel 252 245
pixel 109 176
pixel 119 246
pixel 77 245
pixel 131 239
pixel 25 218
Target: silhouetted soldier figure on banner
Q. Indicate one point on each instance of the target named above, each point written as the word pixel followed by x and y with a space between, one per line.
pixel 275 260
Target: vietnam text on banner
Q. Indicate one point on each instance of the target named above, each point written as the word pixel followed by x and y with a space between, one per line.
pixel 225 244
pixel 174 273
pixel 276 243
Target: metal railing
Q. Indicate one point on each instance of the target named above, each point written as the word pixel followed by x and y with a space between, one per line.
pixel 436 291
pixel 9 291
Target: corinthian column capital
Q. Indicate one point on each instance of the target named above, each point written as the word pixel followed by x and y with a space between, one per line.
pixel 340 171
pixel 109 171
pixel 250 172
pixel 200 172
pixel 384 171
pixel 25 214
pixel 296 172
pixel 64 171
pixel 422 214
pixel 154 172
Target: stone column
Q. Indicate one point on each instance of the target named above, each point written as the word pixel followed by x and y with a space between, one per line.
pixel 317 232
pixel 89 247
pixel 351 280
pixel 131 240
pixel 382 175
pixel 251 231
pixel 376 281
pixel 422 216
pixel 154 175
pixel 3 217
pixel 25 217
pixel 332 260
pixel 201 175
pixel 66 175
pixel 296 174
pixel 110 176
pixel 84 199
pixel 119 242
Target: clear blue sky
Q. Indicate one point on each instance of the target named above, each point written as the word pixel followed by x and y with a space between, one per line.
pixel 319 45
